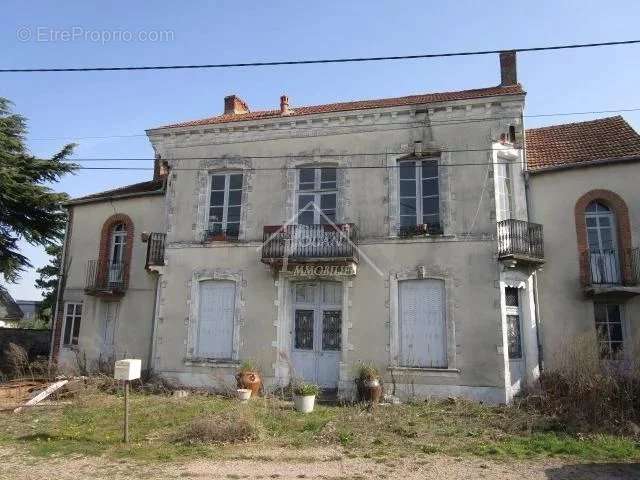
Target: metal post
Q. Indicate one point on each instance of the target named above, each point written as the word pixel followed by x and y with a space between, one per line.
pixel 126 411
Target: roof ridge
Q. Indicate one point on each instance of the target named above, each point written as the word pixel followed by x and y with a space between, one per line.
pixel 385 102
pixel 595 120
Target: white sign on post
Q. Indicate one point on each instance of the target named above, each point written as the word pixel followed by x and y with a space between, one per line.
pixel 128 369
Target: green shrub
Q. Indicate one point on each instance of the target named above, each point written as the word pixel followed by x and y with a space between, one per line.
pixel 305 389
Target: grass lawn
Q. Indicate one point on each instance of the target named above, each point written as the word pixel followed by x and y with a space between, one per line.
pixel 93 426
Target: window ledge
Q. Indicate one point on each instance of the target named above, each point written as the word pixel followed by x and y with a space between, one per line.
pixel 210 362
pixel 425 371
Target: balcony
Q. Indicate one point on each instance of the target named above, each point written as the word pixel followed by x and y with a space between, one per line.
pixel 155 250
pixel 319 244
pixel 520 242
pixel 611 272
pixel 105 279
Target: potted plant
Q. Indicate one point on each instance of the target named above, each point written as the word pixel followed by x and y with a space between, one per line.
pixel 369 384
pixel 244 394
pixel 249 378
pixel 304 396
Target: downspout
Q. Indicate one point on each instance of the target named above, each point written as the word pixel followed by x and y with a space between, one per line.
pixel 61 284
pixel 154 326
pixel 536 297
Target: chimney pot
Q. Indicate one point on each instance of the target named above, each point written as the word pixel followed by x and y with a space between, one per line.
pixel 508 68
pixel 234 105
pixel 284 105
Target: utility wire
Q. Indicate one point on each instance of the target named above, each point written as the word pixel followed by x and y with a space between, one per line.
pixel 319 127
pixel 318 61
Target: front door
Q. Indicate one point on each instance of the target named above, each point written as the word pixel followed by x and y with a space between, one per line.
pixel 317 332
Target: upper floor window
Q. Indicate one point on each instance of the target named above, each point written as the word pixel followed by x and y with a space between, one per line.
pixel 317 195
pixel 504 193
pixel 225 204
pixel 419 194
pixel 117 253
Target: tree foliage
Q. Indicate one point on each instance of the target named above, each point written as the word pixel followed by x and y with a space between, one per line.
pixel 48 281
pixel 29 208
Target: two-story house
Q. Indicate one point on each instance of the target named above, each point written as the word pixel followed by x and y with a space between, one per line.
pixel 584 188
pixel 311 239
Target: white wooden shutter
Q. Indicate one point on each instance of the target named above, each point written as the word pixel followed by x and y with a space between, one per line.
pixel 215 319
pixel 422 323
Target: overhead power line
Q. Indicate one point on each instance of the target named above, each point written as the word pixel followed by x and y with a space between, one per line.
pixel 319 127
pixel 317 61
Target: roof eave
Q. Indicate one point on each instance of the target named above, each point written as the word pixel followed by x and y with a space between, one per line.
pixel 123 196
pixel 584 164
pixel 178 128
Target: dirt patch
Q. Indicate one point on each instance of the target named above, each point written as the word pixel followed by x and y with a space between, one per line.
pixel 325 464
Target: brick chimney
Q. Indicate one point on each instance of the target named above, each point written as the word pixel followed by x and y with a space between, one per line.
pixel 284 105
pixel 508 69
pixel 234 105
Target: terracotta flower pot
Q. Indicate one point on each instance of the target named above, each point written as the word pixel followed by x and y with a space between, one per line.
pixel 369 390
pixel 250 381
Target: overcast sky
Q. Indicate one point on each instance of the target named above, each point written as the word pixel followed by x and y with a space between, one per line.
pixel 82 33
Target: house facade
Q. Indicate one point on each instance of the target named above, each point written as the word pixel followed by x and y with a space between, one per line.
pixel 583 185
pixel 310 240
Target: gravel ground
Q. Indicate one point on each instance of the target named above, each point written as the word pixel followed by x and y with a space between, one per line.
pixel 308 465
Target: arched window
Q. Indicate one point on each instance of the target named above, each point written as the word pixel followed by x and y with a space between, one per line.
pixel 118 243
pixel 602 241
pixel 604 238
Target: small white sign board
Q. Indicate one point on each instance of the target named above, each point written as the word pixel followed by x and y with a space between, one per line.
pixel 127 369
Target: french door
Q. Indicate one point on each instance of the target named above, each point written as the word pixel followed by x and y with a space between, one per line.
pixel 603 244
pixel 317 332
pixel 116 255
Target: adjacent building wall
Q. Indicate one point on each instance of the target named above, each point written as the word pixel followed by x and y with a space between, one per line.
pixel 566 313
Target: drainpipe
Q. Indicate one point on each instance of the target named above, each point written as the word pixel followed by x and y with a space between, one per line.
pixel 154 326
pixel 536 297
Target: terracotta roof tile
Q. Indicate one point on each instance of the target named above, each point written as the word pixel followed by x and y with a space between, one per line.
pixel 574 143
pixel 150 186
pixel 358 105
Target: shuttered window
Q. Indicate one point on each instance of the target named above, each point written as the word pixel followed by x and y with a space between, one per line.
pixel 215 319
pixel 422 328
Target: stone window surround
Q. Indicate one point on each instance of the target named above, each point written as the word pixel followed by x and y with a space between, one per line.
pixel 342 180
pixel 422 273
pixel 284 327
pixel 193 305
pixel 444 158
pixel 203 193
pixel 619 207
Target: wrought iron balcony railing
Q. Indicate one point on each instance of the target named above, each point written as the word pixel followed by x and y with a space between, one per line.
pixel 155 249
pixel 309 243
pixel 108 278
pixel 611 267
pixel 520 240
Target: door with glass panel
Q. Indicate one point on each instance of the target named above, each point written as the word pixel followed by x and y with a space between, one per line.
pixel 604 259
pixel 116 255
pixel 317 332
pixel 514 338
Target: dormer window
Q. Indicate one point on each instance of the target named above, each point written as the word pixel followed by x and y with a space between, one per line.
pixel 317 195
pixel 419 194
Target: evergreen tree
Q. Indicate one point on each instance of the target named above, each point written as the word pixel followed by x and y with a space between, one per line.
pixel 29 209
pixel 48 281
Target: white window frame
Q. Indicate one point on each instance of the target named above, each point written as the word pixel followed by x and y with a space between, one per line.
pixel 514 311
pixel 419 196
pixel 504 190
pixel 608 323
pixel 225 205
pixel 317 192
pixel 73 317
